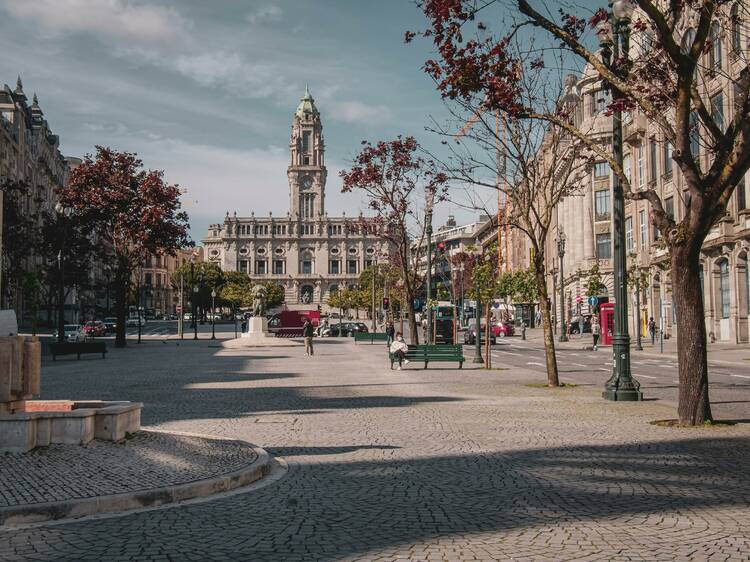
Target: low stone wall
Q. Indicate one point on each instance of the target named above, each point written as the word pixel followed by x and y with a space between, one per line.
pixel 40 423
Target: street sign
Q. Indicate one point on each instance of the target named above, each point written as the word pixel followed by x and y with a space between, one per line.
pixel 179 308
pixel 386 303
pixel 578 298
pixel 593 301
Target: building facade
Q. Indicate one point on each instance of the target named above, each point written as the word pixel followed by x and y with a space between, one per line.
pixel 586 217
pixel 29 153
pixel 307 252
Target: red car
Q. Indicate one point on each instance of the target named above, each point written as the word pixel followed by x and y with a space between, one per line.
pixel 502 329
pixel 95 329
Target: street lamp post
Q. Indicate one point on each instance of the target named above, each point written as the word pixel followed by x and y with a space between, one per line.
pixel 638 345
pixel 63 213
pixel 621 386
pixel 192 296
pixel 201 278
pixel 195 322
pixel 213 314
pixel 461 280
pixel 477 331
pixel 430 200
pixel 561 255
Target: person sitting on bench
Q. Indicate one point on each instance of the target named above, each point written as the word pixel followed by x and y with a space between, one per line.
pixel 399 348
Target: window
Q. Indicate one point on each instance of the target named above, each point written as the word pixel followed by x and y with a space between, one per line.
pixel 669 207
pixel 352 267
pixel 747 287
pixel 714 53
pixel 724 288
pixel 604 246
pixel 644 228
pixel 647 42
pixel 306 142
pixel 668 158
pixel 641 166
pixel 735 23
pixel 601 170
pixel 741 201
pixel 602 198
pixel 717 110
pixel 306 267
pixel 629 241
pixel 260 267
pixel 601 99
pixel 368 264
pixel 243 266
pixel 334 267
pixel 279 267
pixel 652 157
pixel 626 167
pixel 695 135
pixel 149 279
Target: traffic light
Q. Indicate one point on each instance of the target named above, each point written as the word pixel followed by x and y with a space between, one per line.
pixel 441 248
pixel 386 303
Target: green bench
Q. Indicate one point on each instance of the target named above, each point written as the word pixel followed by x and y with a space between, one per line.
pixel 368 337
pixel 432 353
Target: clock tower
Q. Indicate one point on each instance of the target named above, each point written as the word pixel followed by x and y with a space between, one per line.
pixel 307 172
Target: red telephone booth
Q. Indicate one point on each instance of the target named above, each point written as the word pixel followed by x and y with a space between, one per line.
pixel 607 322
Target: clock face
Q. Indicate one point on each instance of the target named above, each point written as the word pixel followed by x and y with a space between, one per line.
pixel 307 182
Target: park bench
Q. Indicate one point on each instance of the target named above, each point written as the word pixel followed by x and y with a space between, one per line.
pixel 77 348
pixel 432 353
pixel 370 337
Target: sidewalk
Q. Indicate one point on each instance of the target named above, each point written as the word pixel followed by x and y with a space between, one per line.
pixel 719 352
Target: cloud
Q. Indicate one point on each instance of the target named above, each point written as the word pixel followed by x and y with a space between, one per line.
pixel 108 19
pixel 358 112
pixel 269 12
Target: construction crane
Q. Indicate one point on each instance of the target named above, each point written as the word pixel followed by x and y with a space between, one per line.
pixel 502 186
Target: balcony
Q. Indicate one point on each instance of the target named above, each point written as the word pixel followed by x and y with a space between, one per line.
pixel 633 130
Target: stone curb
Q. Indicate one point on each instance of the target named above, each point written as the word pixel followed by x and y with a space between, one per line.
pixel 35 513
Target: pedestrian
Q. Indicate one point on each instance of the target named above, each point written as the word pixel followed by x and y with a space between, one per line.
pixel 398 349
pixel 596 329
pixel 307 334
pixel 652 330
pixel 390 331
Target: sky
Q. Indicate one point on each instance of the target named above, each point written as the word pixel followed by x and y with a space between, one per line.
pixel 206 90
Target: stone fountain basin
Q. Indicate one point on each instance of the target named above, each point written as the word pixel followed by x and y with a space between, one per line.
pixel 38 423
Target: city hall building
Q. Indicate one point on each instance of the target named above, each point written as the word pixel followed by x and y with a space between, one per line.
pixel 305 251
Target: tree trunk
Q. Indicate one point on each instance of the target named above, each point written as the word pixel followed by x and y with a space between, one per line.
pixel 488 337
pixel 553 379
pixel 413 329
pixel 121 291
pixel 694 407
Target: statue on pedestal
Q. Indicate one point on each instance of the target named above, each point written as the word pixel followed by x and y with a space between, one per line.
pixel 259 301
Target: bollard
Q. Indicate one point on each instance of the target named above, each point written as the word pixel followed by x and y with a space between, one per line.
pixel 523 331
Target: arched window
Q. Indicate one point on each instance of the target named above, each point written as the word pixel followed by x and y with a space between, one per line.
pixel 687 40
pixel 714 53
pixel 735 26
pixel 724 288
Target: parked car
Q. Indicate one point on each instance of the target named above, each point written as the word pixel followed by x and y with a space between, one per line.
pixel 345 329
pixel 470 335
pixel 132 322
pixel 110 324
pixel 73 333
pixel 95 329
pixel 575 324
pixel 502 329
pixel 187 316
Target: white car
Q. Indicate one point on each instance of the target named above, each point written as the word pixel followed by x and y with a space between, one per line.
pixel 133 321
pixel 73 333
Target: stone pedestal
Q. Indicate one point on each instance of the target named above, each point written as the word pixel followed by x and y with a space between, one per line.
pixel 257 336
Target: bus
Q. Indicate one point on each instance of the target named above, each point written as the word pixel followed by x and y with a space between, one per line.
pixel 444 323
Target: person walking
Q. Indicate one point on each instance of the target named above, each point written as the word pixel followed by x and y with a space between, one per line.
pixel 596 330
pixel 399 348
pixel 652 329
pixel 390 332
pixel 307 334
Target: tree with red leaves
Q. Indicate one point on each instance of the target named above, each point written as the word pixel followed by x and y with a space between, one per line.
pixel 668 81
pixel 134 212
pixel 393 178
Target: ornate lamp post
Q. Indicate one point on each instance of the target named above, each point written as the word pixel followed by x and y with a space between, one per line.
pixel 430 203
pixel 461 311
pixel 561 255
pixel 213 314
pixel 615 49
pixel 63 213
pixel 195 322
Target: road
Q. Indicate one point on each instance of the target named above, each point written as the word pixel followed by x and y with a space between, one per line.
pixel 729 384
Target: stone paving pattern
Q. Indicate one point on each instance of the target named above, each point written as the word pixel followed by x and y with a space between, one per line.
pixel 146 461
pixel 412 465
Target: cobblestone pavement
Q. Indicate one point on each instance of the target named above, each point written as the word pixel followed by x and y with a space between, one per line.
pixel 148 460
pixel 410 465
